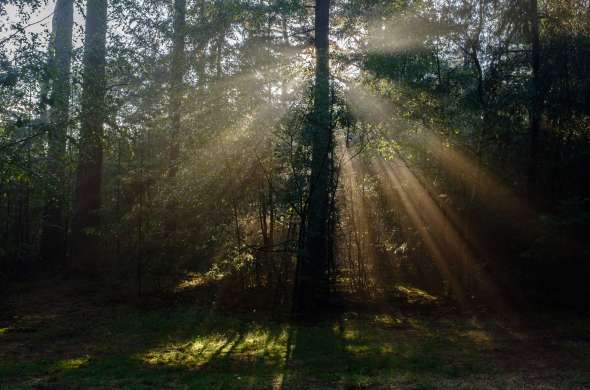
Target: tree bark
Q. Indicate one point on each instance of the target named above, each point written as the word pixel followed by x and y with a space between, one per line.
pixel 177 67
pixel 313 283
pixel 53 236
pixel 536 103
pixel 93 112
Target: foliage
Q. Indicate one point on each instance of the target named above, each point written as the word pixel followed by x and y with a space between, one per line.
pixel 437 94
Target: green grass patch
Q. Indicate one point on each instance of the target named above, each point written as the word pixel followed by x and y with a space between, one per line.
pixel 191 348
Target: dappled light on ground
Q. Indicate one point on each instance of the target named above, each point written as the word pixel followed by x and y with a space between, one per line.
pixel 193 280
pixel 181 346
pixel 234 346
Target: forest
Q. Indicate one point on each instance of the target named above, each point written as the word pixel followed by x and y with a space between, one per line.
pixel 294 194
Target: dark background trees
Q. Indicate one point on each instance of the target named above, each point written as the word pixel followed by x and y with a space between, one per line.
pixel 342 149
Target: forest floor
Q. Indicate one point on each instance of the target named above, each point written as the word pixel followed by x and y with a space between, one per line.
pixel 53 336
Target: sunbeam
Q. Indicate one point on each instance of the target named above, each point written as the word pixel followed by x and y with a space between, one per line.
pixel 449 240
pixel 357 221
pixel 422 213
pixel 371 108
pixel 402 33
pixel 484 184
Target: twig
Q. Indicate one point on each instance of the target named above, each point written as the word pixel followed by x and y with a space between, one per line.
pixel 25 139
pixel 21 29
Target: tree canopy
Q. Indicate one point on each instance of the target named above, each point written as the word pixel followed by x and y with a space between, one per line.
pixel 300 155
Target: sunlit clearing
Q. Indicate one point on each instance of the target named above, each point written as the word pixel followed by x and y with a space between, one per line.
pixel 416 295
pixel 248 345
pixel 193 280
pixel 387 320
pixel 74 363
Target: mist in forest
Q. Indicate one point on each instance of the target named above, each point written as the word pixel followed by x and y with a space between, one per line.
pixel 294 194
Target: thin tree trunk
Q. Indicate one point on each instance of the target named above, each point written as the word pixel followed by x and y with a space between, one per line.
pixel 201 51
pixel 536 104
pixel 177 68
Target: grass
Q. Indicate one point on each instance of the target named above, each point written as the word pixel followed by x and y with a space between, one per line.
pixel 76 344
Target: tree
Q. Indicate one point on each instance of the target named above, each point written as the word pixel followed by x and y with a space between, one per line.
pixel 312 279
pixel 177 67
pixel 536 101
pixel 92 117
pixel 54 228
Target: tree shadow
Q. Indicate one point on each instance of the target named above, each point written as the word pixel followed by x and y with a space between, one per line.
pixel 184 346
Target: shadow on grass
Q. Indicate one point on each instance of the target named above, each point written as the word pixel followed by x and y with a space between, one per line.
pixel 184 347
pixel 361 353
pixel 157 348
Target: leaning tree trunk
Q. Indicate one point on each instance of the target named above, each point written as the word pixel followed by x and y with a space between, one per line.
pixel 93 111
pixel 54 229
pixel 312 282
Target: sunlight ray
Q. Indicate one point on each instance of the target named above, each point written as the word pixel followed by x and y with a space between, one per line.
pixel 445 242
pixel 457 243
pixel 358 219
pixel 402 33
pixel 456 163
pixel 365 106
pixel 485 184
pixel 420 211
pixel 251 79
pixel 264 115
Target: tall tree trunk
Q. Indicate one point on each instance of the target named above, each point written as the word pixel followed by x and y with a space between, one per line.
pixel 312 289
pixel 536 103
pixel 54 231
pixel 93 113
pixel 286 47
pixel 177 67
pixel 201 50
